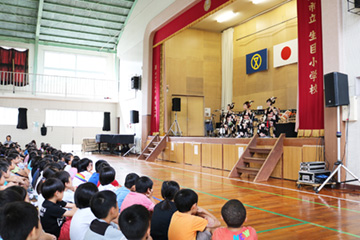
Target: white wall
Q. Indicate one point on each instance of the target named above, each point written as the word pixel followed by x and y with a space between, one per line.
pixel 129 99
pixel 55 135
pixel 351 65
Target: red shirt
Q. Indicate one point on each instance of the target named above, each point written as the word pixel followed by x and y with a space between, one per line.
pixel 246 233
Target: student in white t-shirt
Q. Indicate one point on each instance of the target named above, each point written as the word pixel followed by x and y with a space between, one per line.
pixel 85 168
pixel 106 177
pixel 83 217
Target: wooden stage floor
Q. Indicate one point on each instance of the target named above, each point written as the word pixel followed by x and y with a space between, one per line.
pixel 276 209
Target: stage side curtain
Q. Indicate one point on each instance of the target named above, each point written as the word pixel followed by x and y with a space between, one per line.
pixel 155 100
pixel 15 63
pixel 310 89
pixel 227 67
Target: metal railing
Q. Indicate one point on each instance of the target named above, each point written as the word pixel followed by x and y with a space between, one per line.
pixel 57 86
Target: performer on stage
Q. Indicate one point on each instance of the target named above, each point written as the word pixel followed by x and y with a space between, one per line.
pixel 230 118
pixel 246 129
pixel 270 119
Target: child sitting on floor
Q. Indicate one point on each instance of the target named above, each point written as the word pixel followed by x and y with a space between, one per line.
pixel 98 166
pixel 142 196
pixel 52 212
pixel 190 222
pixel 69 188
pixel 134 222
pixel 164 210
pixel 85 167
pixel 128 187
pixel 234 215
pixel 104 206
pixel 20 220
pixel 107 176
pixel 83 217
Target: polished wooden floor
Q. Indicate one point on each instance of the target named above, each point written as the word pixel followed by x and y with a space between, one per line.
pixel 276 209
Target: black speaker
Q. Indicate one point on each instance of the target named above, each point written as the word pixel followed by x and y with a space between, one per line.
pixel 106 126
pixel 22 119
pixel 357 3
pixel 336 89
pixel 176 104
pixel 134 116
pixel 135 82
pixel 43 130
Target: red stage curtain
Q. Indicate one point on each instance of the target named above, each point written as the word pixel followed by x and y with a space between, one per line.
pixel 155 102
pixel 12 60
pixel 311 94
pixel 190 16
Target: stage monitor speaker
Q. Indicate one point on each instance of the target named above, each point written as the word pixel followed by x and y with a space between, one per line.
pixel 357 3
pixel 176 104
pixel 134 116
pixel 135 82
pixel 106 126
pixel 336 89
pixel 22 119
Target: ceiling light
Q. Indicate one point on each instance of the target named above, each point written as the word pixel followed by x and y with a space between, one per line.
pixel 226 16
pixel 257 1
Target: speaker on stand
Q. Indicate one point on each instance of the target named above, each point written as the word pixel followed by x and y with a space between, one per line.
pixel 134 119
pixel 176 107
pixel 336 95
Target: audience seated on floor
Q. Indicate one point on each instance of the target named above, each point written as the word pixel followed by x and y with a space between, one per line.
pixel 105 208
pixel 129 186
pixel 142 196
pixel 190 222
pixel 134 222
pixel 81 220
pixel 164 210
pixel 54 180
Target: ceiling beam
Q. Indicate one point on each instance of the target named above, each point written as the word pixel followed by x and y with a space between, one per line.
pixel 76 46
pixel 127 18
pixel 38 22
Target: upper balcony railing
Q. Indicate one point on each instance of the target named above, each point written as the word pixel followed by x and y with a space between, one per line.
pixel 57 86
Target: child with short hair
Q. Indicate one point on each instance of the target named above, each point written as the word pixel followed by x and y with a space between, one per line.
pixel 164 210
pixel 83 217
pixel 128 187
pixel 107 176
pixel 190 222
pixel 142 196
pixel 65 178
pixel 134 222
pixel 98 166
pixel 52 212
pixel 104 207
pixel 85 167
pixel 20 220
pixel 234 215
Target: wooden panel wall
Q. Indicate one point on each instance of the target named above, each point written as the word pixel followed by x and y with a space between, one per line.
pixel 193 154
pixel 193 68
pixel 280 82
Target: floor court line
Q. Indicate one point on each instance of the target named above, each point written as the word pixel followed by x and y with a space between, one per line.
pixel 274 213
pixel 280 228
pixel 270 193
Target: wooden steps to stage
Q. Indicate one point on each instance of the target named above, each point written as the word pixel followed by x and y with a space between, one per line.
pixel 154 148
pixel 263 157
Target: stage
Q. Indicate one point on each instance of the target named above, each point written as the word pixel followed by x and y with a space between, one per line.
pixel 223 153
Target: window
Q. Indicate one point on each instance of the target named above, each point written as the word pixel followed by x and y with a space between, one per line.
pixel 9 116
pixel 74 65
pixel 69 118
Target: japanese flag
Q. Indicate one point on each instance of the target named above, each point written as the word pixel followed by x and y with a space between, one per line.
pixel 286 53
